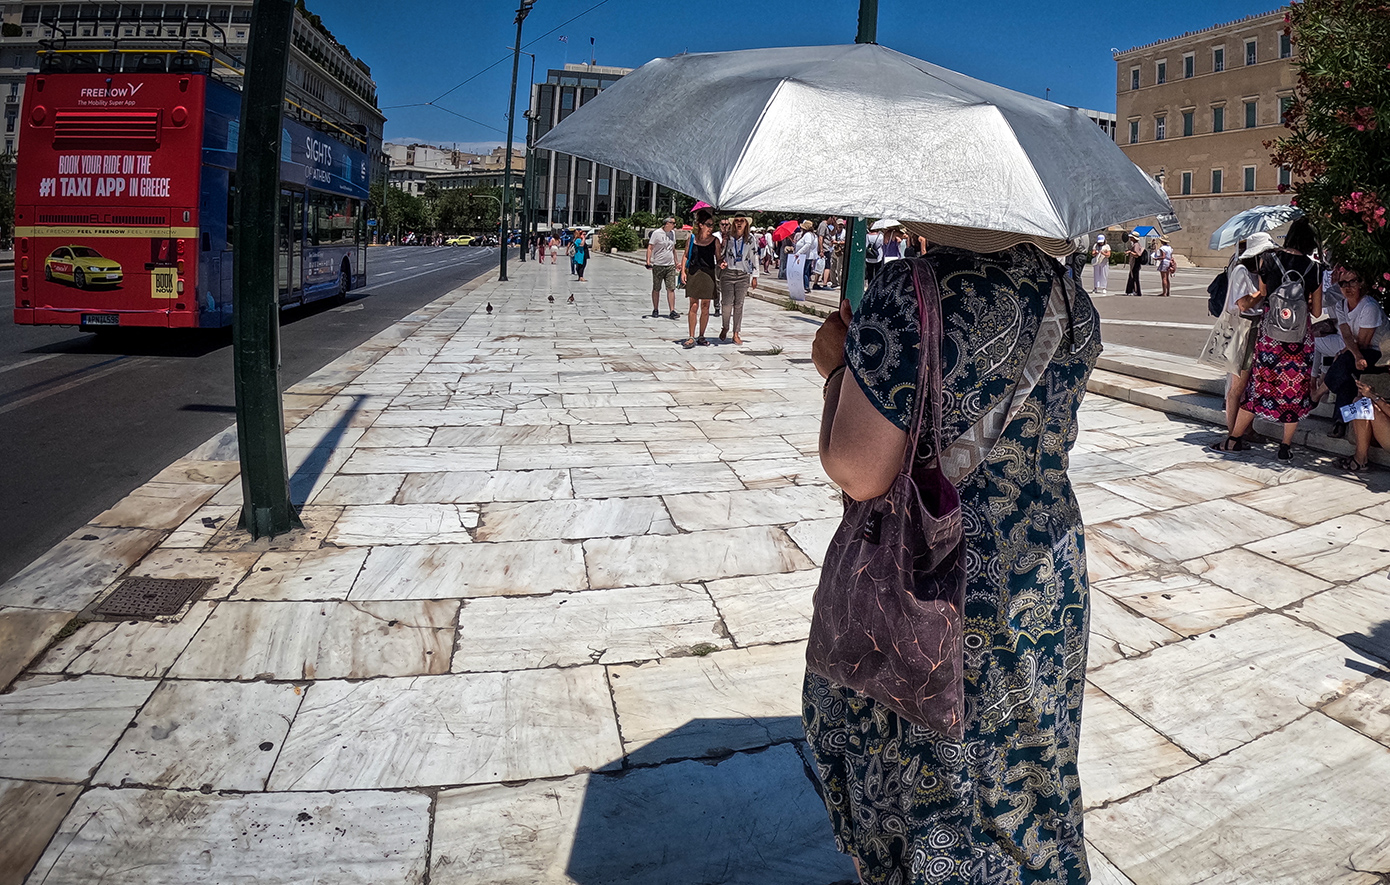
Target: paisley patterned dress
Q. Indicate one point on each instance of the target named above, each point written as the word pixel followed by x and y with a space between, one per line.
pixel 1003 805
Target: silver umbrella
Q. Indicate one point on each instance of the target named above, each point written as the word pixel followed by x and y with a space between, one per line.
pixel 1241 225
pixel 860 130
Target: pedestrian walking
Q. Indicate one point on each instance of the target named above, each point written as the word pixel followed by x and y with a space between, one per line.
pixel 1290 289
pixel 581 254
pixel 661 261
pixel 725 227
pixel 1136 253
pixel 554 248
pixel 699 273
pixel 808 247
pixel 738 272
pixel 1231 344
pixel 1002 801
pixel 1165 265
pixel 1100 273
pixel 873 255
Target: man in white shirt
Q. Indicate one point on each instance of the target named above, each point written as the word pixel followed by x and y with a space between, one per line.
pixel 807 246
pixel 661 259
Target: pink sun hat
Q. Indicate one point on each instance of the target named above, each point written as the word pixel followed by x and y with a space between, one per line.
pixel 700 205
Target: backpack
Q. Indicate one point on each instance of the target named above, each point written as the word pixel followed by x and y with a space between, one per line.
pixel 1216 294
pixel 1286 318
pixel 1144 256
pixel 871 252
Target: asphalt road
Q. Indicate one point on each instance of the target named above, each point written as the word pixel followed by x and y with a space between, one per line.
pixel 1178 324
pixel 85 421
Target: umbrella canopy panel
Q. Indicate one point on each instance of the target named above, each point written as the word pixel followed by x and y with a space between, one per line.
pixel 730 128
pixel 1253 220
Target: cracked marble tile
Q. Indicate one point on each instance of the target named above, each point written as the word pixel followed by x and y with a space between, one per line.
pixel 774 472
pixel 423 460
pixel 1367 709
pixel 1180 602
pixel 204 735
pixel 1108 558
pixel 1357 614
pixel 362 488
pixel 457 729
pixel 225 568
pixel 485 486
pixel 140 649
pixel 1117 632
pixel 72 574
pixel 515 568
pixel 698 556
pixel 574 455
pixel 59 729
pixel 358 838
pixel 317 523
pixel 574 520
pixel 645 480
pixel 719 510
pixel 694 707
pixel 321 640
pixel 523 435
pixel 158 505
pixel 1121 755
pixel 302 575
pixel 24 632
pixel 766 608
pixel 1312 500
pixel 595 626
pixel 30 813
pixel 199 528
pixel 1265 581
pixel 813 536
pixel 369 525
pixel 1194 530
pixel 1344 548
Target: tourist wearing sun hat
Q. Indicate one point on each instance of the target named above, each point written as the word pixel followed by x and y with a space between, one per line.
pixel 1100 258
pixel 1163 258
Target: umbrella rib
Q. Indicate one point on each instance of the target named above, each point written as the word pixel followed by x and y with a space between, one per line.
pixel 748 142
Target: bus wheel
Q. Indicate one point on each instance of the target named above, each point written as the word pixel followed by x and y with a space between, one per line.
pixel 344 281
pixel 79 279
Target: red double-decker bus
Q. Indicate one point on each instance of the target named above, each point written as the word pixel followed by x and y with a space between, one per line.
pixel 126 169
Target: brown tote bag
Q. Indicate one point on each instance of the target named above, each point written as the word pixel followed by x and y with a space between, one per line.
pixel 888 609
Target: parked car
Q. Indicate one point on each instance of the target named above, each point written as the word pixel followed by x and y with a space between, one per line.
pixel 459 241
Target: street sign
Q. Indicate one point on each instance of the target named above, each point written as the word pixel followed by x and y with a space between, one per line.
pixel 371 222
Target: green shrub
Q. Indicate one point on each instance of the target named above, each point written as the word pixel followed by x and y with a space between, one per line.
pixel 619 235
pixel 644 219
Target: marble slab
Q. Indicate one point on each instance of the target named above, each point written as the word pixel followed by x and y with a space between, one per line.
pixel 772 472
pixel 655 479
pixel 303 575
pixel 71 575
pixel 663 431
pixel 157 505
pixel 1118 632
pixel 1258 579
pixel 439 418
pixel 1293 804
pixel 1098 504
pixel 1093 467
pixel 697 556
pixel 198 529
pixel 1341 549
pixel 1179 601
pixel 1367 709
pixel 1357 614
pixel 722 510
pixel 1248 679
pixel 574 520
pixel 449 730
pixel 1120 755
pixel 525 457
pixel 140 649
pixel 59 729
pixel 593 627
pixel 361 488
pixel 24 632
pixel 321 640
pixel 317 523
pixel 422 460
pixel 687 708
pixel 638 828
pixel 1312 500
pixel 813 536
pixel 30 813
pixel 368 525
pixel 516 568
pixel 1108 558
pixel 199 471
pixel 158 837
pixel 1103 872
pixel 1194 530
pixel 224 568
pixel 396 438
pixel 485 487
pixel 502 435
pixel 766 608
pixel 204 736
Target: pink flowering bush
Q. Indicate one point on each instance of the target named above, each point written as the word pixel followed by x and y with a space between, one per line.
pixel 1337 144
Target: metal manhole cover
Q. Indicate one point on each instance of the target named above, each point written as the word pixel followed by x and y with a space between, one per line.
pixel 148 598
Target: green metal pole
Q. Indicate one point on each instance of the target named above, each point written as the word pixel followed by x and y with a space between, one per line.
pixel 858 227
pixel 265 485
pixel 521 12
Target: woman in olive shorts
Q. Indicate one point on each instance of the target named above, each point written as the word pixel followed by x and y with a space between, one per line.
pixel 699 274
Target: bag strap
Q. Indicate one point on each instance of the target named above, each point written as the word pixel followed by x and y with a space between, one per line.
pixel 929 363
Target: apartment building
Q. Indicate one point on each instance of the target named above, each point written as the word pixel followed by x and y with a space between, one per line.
pixel 415 165
pixel 327 87
pixel 1194 112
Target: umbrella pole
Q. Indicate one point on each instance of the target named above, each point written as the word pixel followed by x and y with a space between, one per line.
pixel 853 284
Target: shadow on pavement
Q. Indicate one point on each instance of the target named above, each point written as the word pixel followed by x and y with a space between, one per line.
pixel 1375 643
pixel 308 473
pixel 745 818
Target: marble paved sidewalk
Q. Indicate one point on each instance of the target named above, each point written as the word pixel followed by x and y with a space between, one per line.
pixel 545 624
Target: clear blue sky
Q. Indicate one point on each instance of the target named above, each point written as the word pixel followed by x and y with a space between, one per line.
pixel 419 49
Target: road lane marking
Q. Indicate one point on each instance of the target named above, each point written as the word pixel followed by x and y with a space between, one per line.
pixel 1157 324
pixel 29 362
pixel 123 363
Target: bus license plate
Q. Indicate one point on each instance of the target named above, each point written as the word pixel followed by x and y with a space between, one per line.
pixel 101 319
pixel 162 283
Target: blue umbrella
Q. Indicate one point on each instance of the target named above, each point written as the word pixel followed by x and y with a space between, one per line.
pixel 1241 225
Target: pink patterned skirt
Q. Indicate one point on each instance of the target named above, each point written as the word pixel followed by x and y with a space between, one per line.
pixel 1281 380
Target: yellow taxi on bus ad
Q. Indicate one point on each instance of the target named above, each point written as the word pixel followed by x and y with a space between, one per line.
pixel 82 266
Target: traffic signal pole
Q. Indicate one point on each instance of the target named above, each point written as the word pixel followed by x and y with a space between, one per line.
pixel 521 12
pixel 858 234
pixel 265 486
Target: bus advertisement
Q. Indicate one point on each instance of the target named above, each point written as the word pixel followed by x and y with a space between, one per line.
pixel 123 203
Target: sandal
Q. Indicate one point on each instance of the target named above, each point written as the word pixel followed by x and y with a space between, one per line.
pixel 702 341
pixel 1230 444
pixel 723 334
pixel 1285 452
pixel 688 343
pixel 1351 465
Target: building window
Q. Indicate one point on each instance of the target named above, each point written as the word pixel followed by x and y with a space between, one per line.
pixel 1186 183
pixel 1216 181
pixel 1189 66
pixel 1218 119
pixel 1249 178
pixel 1161 75
pixel 1285 105
pixel 1133 131
pixel 1133 78
pixel 1285 176
pixel 1285 46
pixel 1218 59
pixel 10 118
pixel 1251 115
pixel 9 145
pixel 1250 54
pixel 1160 128
pixel 1187 122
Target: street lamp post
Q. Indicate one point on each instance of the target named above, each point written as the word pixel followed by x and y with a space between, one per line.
pixel 527 178
pixel 853 278
pixel 522 9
